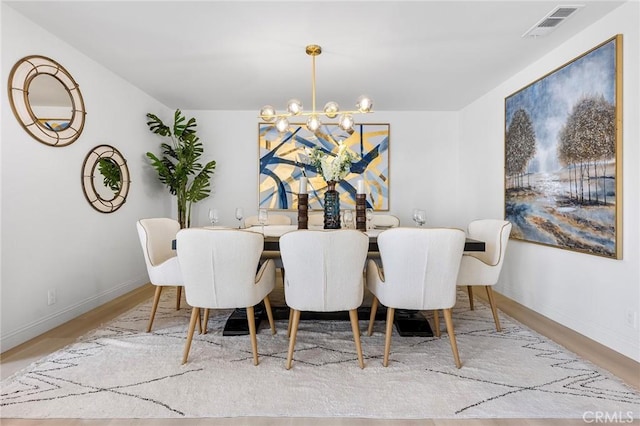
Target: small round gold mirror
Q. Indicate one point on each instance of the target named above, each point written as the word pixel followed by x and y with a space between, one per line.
pixel 46 100
pixel 105 178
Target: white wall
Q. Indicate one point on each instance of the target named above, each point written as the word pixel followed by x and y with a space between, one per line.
pixel 423 164
pixel 51 237
pixel 449 163
pixel 586 293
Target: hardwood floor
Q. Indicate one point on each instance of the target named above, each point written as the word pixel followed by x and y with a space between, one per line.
pixel 21 356
pixel 281 421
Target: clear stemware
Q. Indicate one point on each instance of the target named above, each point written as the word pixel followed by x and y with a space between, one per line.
pixel 348 219
pixel 369 216
pixel 239 216
pixel 263 218
pixel 214 216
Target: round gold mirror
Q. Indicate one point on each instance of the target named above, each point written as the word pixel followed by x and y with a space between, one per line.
pixel 46 100
pixel 105 178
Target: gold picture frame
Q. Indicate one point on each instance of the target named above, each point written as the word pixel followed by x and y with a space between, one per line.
pixel 563 155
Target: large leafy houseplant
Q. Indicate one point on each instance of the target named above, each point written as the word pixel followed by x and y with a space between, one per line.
pixel 179 167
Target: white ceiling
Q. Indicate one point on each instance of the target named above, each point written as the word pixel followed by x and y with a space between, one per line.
pixel 240 55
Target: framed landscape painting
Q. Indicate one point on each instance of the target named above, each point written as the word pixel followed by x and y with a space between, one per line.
pixel 563 155
pixel 284 160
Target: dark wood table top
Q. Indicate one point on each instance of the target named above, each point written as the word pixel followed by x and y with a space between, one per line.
pixel 273 244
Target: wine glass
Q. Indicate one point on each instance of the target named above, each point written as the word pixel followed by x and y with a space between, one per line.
pixel 369 215
pixel 239 216
pixel 263 218
pixel 348 218
pixel 214 216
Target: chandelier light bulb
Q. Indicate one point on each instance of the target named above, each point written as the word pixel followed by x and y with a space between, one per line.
pixel 267 113
pixel 313 123
pixel 282 124
pixel 331 109
pixel 346 122
pixel 364 104
pixel 294 106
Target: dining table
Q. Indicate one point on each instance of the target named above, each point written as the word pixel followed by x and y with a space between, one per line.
pixel 407 322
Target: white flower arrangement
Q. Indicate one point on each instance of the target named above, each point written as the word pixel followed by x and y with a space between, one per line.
pixel 332 167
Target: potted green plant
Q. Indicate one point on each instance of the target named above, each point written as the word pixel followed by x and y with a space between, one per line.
pixel 179 167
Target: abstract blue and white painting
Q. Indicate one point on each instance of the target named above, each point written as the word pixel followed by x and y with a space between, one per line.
pixel 283 160
pixel 562 153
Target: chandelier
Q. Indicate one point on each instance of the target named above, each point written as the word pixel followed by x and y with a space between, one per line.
pixel 331 109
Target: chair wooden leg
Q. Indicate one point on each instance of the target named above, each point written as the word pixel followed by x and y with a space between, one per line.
pixel 294 317
pixel 494 308
pixel 436 323
pixel 178 297
pixel 470 291
pixel 205 321
pixel 353 316
pixel 452 336
pixel 156 300
pixel 290 322
pixel 251 319
pixel 195 314
pixel 267 306
pixel 387 339
pixel 372 317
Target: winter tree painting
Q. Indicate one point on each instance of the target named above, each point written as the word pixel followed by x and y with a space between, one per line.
pixel 563 153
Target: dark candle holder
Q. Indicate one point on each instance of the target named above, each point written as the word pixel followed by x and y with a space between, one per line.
pixel 303 211
pixel 361 212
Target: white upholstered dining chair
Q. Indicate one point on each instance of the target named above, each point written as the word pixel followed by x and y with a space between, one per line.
pixel 324 274
pixel 419 270
pixel 156 236
pixel 273 219
pixel 483 267
pixel 219 272
pixel 381 221
pixel 315 218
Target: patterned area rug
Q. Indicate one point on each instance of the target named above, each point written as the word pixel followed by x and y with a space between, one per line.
pixel 120 371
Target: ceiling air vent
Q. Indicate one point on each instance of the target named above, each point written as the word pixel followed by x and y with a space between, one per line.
pixel 551 21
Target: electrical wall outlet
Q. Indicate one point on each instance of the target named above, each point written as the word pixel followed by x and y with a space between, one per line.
pixel 51 297
pixel 631 318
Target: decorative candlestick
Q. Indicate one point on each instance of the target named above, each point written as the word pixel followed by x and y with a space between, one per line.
pixel 303 211
pixel 361 212
pixel 303 185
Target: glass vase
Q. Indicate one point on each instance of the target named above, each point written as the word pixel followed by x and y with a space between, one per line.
pixel 331 206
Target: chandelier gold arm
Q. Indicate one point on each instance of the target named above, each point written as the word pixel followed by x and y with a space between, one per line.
pixel 313 54
pixel 308 114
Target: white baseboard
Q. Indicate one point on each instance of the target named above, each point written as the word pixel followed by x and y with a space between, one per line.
pixel 36 328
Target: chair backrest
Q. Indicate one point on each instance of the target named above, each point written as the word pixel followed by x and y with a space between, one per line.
pixel 274 219
pixel 385 221
pixel 315 218
pixel 421 266
pixel 324 269
pixel 495 234
pixel 156 236
pixel 219 266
